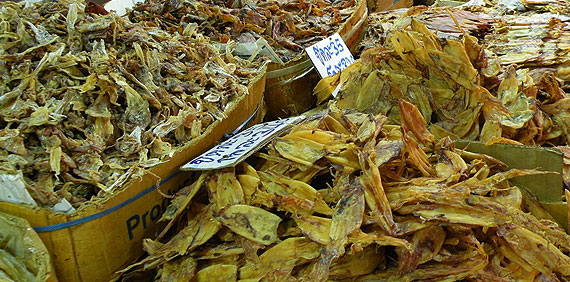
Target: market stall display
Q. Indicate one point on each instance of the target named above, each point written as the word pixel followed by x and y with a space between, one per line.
pixel 397 178
pixel 345 196
pixel 279 30
pixel 98 115
pixel 443 22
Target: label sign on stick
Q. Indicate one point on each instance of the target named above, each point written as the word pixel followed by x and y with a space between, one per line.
pixel 241 146
pixel 330 55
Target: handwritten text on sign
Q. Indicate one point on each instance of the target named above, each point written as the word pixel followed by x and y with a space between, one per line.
pixel 330 55
pixel 240 146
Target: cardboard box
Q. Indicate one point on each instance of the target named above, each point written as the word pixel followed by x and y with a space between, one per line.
pixel 547 188
pixel 105 235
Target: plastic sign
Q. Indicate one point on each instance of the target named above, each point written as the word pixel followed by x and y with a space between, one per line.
pixel 330 55
pixel 241 146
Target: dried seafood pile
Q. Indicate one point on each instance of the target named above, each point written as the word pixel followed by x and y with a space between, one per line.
pixel 459 87
pixel 346 197
pixel 89 100
pixel 288 26
pixel 444 23
pixel 533 41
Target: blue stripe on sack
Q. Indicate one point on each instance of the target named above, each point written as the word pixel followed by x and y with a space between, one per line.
pixel 103 213
pixel 136 197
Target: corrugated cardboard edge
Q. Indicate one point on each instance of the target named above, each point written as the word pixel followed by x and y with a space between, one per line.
pixel 66 267
pixel 547 188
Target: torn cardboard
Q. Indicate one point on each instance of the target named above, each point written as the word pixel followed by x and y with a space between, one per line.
pixel 547 188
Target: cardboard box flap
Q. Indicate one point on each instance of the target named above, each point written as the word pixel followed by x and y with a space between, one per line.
pixel 545 187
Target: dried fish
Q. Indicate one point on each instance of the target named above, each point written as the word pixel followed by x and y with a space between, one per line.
pixel 89 101
pixel 386 220
pixel 465 87
pixel 443 22
pixel 288 26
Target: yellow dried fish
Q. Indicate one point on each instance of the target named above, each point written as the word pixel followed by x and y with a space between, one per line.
pixel 363 210
pixel 464 87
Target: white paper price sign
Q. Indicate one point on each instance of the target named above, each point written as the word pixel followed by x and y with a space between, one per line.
pixel 241 146
pixel 330 55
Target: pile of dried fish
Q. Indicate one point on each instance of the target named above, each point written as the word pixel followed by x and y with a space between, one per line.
pixel 288 26
pixel 88 100
pixel 346 197
pixel 533 41
pixel 459 87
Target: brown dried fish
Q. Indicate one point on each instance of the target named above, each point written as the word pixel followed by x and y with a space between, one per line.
pixel 288 26
pixel 89 101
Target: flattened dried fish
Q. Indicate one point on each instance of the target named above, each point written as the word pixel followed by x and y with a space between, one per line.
pixel 390 221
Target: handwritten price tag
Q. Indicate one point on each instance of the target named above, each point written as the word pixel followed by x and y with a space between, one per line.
pixel 330 55
pixel 241 146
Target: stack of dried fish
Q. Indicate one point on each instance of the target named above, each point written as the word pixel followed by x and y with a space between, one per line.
pixel 501 86
pixel 346 197
pixel 288 26
pixel 533 41
pixel 88 100
pixel 444 23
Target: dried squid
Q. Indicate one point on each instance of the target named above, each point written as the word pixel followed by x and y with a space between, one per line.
pixel 288 26
pixel 89 101
pixel 344 196
pixel 462 85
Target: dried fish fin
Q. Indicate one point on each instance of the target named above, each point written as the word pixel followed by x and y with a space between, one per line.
pixel 289 186
pixel 199 230
pixel 482 187
pixel 450 165
pixel 529 246
pixel 315 228
pixel 347 218
pixel 362 240
pixel 413 121
pixel 358 264
pixel 290 149
pixel 283 256
pixel 516 103
pixel 249 185
pixel 179 204
pixel 418 156
pixel 225 188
